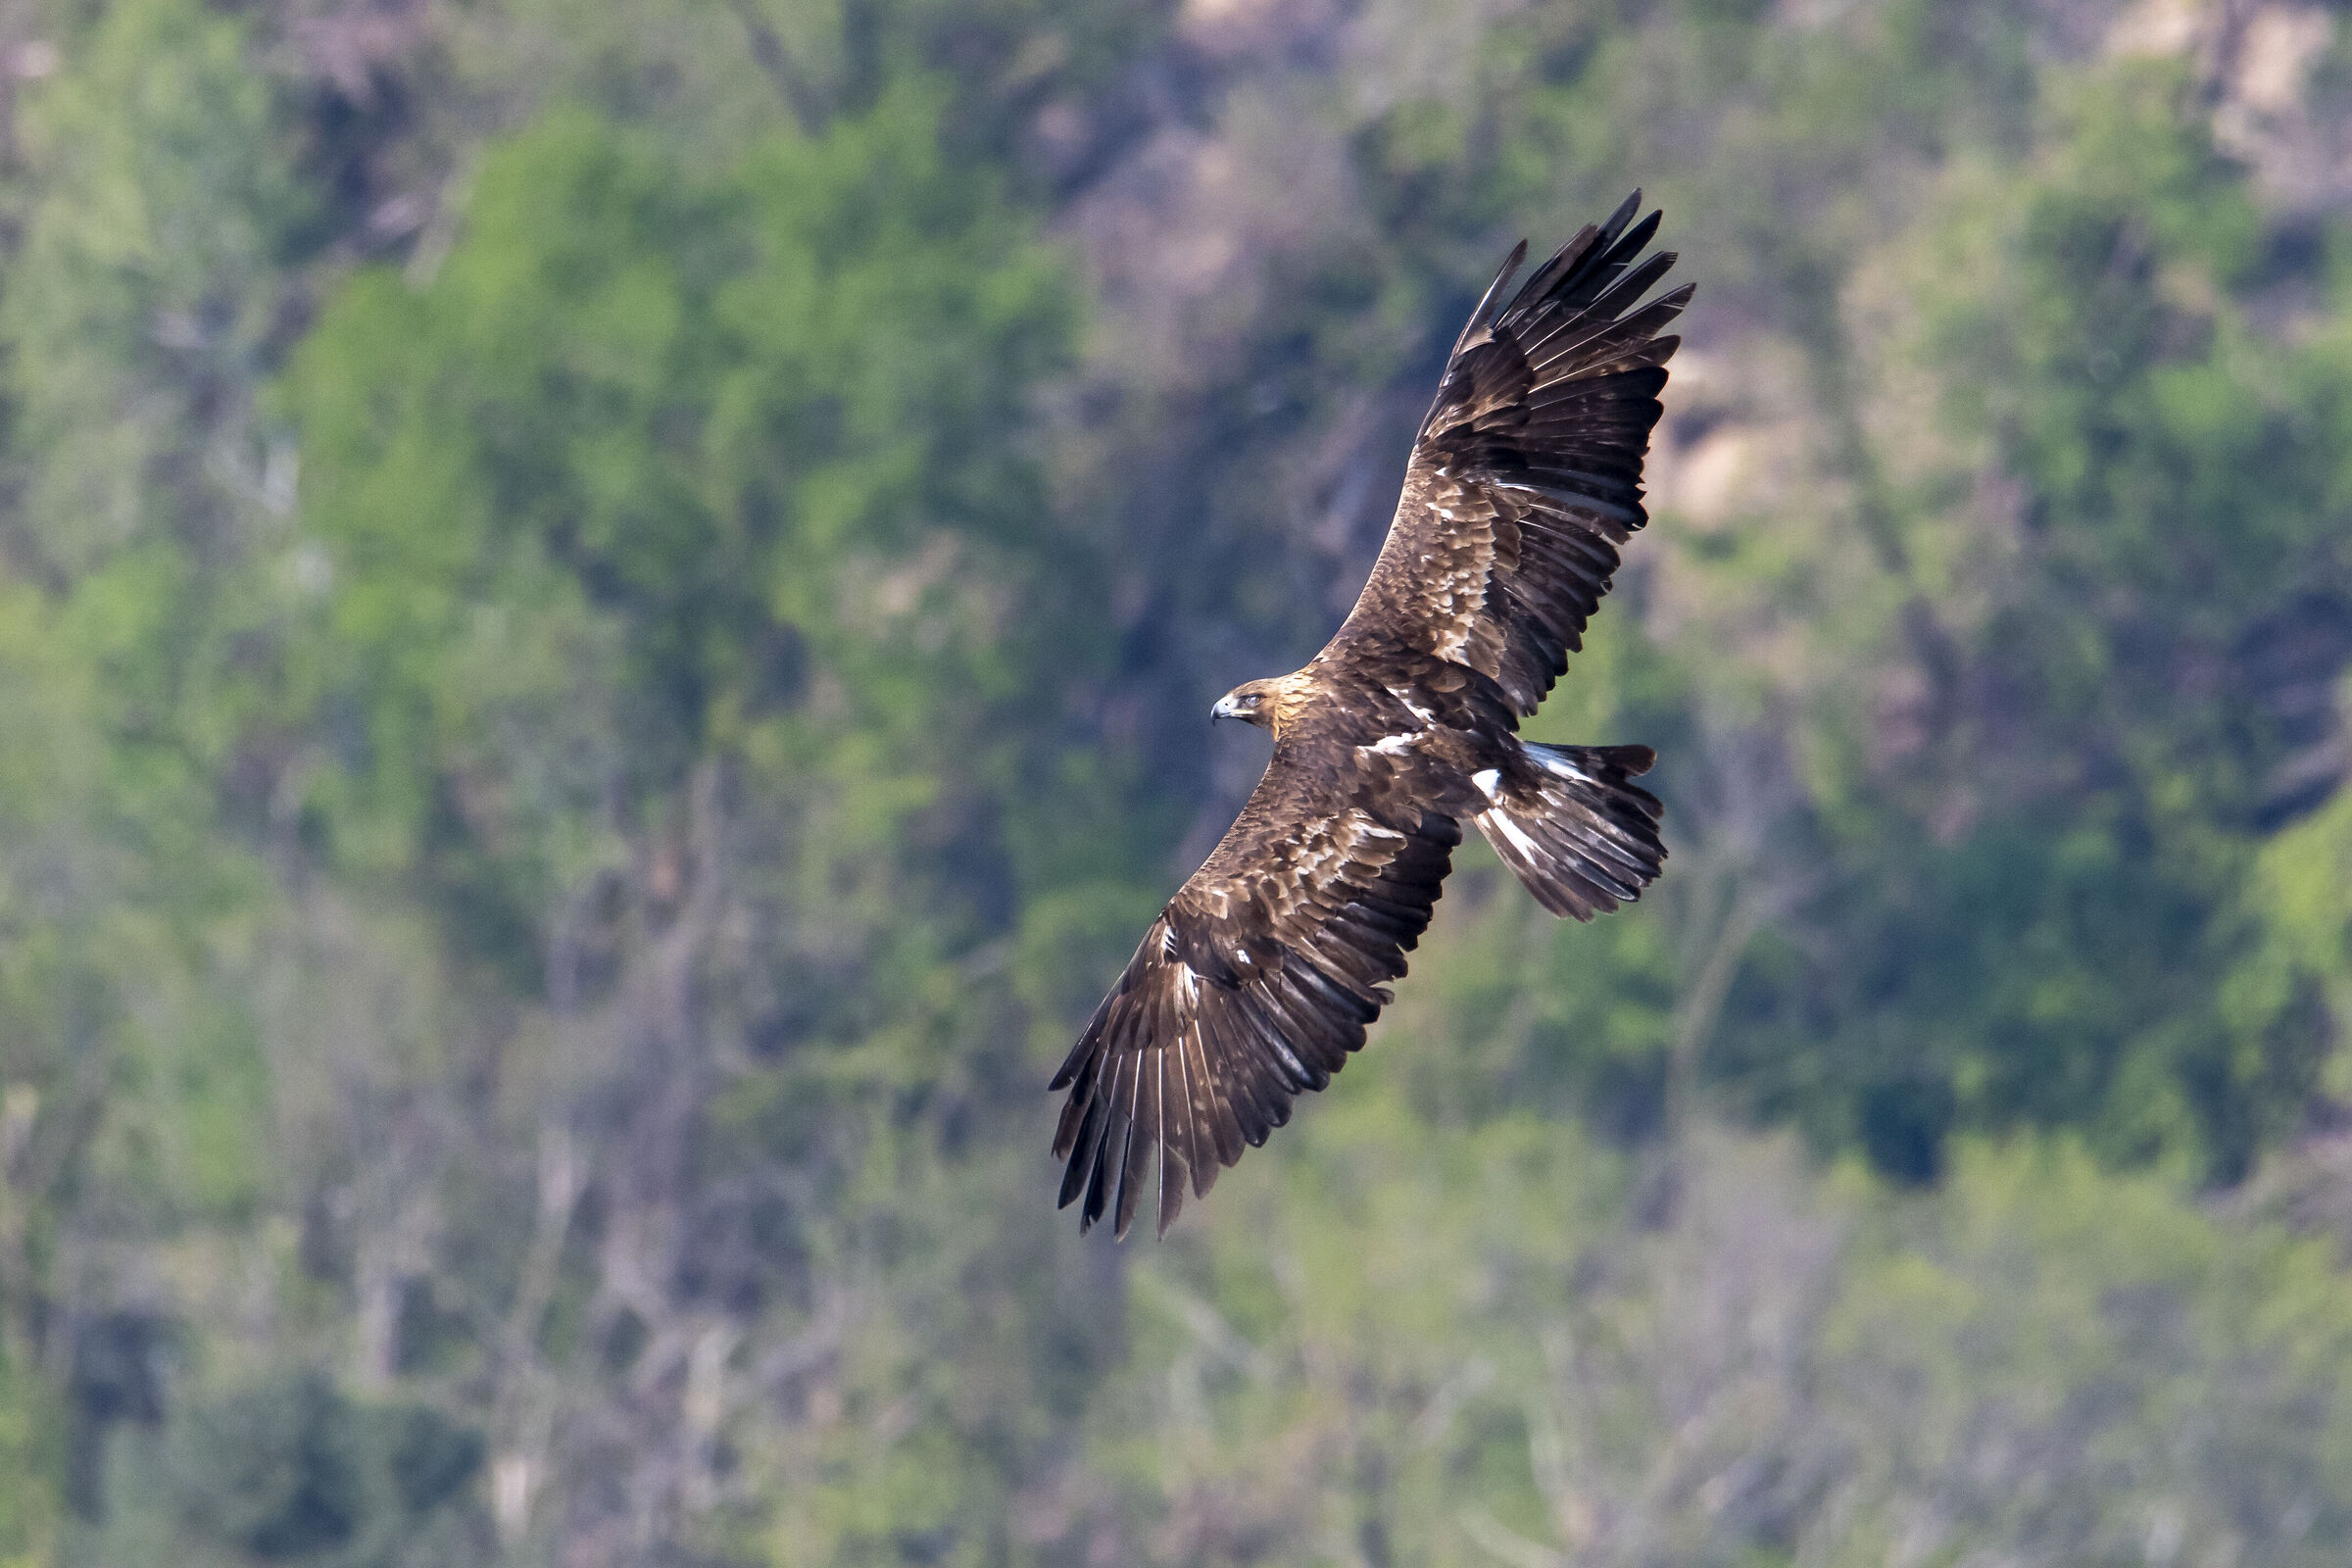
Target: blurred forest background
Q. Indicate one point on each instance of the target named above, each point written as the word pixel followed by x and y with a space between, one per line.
pixel 607 616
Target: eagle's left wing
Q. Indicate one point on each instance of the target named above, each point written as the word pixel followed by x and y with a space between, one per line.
pixel 1526 474
pixel 1252 987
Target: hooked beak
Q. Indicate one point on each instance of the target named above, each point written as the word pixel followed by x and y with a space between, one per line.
pixel 1226 709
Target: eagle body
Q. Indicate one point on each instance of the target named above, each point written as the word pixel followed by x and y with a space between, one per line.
pixel 1262 974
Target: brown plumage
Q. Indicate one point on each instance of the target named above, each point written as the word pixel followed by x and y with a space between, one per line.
pixel 1262 972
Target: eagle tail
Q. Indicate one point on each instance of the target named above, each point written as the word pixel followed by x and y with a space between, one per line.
pixel 1575 826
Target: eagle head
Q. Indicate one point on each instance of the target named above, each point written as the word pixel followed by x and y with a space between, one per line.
pixel 1255 701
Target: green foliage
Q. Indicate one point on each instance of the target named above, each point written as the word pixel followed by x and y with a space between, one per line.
pixel 2005 850
pixel 141 298
pixel 601 648
pixel 292 1469
pixel 748 437
pixel 28 1510
pixel 2084 915
pixel 1488 1352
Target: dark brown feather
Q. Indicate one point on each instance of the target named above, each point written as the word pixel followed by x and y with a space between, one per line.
pixel 1260 977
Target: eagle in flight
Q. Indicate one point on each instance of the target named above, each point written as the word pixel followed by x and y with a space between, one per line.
pixel 1261 973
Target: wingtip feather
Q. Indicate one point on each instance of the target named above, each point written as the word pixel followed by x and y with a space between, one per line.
pixel 1623 216
pixel 1489 306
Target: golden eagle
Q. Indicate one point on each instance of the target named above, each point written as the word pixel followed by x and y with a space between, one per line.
pixel 1260 974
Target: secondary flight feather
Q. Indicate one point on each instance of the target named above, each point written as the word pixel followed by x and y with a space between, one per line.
pixel 1260 975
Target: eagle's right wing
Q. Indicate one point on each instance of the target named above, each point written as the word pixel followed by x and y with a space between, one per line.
pixel 1253 985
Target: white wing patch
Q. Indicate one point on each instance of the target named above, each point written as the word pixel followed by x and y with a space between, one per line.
pixel 1500 822
pixel 1413 708
pixel 1391 744
pixel 1489 781
pixel 1570 500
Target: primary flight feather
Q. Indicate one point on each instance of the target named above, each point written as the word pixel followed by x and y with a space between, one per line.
pixel 1261 973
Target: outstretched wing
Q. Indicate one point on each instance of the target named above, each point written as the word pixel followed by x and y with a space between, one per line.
pixel 1527 474
pixel 1253 985
pixel 1260 975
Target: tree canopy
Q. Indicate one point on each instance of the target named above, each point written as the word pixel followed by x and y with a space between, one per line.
pixel 607 615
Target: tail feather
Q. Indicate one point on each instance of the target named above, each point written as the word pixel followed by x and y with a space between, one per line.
pixel 1576 828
